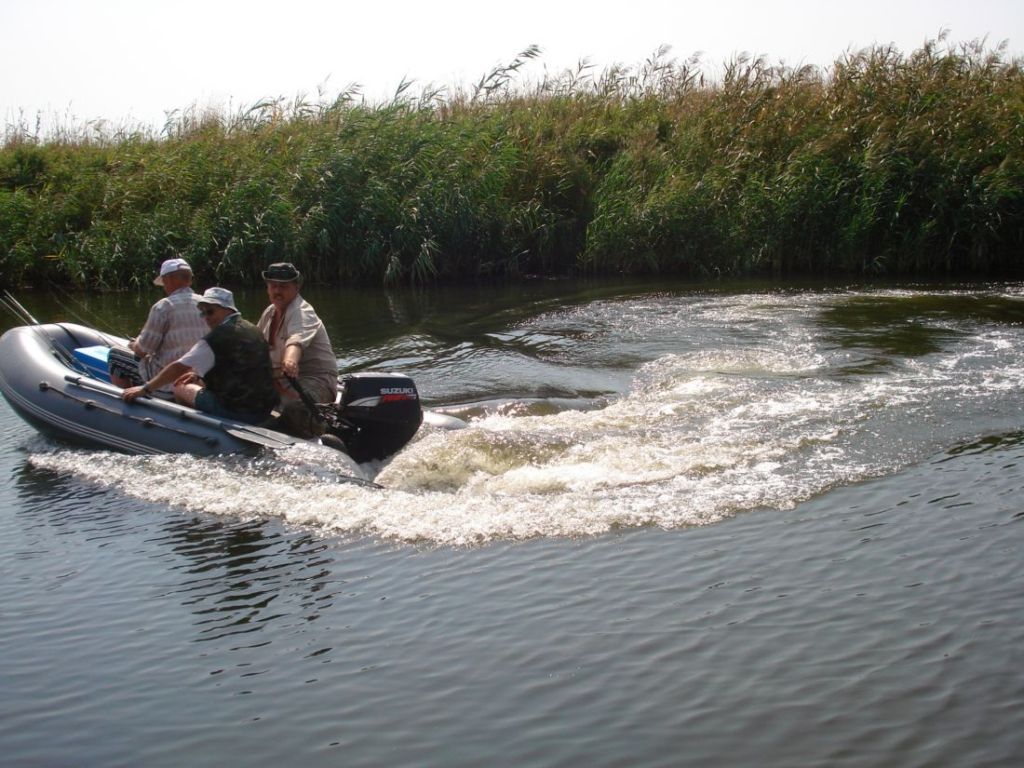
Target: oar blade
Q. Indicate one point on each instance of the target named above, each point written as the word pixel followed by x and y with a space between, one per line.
pixel 259 436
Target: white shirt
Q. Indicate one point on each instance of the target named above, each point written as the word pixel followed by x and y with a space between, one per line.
pixel 201 358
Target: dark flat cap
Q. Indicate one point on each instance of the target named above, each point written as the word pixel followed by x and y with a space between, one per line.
pixel 282 272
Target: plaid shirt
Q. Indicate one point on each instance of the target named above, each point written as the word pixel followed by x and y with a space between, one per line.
pixel 173 326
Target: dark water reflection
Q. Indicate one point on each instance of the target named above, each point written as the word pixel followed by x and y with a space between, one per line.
pixel 235 576
pixel 901 327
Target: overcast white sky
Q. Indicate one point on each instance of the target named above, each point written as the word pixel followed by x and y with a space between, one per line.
pixel 131 61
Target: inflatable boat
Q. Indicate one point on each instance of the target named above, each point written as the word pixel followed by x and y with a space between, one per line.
pixel 55 377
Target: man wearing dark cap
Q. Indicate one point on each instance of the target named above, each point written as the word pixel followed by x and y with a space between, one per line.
pixel 227 372
pixel 300 350
pixel 170 330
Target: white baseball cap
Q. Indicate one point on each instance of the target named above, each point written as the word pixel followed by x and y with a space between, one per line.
pixel 220 297
pixel 171 265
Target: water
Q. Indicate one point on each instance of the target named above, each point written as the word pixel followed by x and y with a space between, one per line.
pixel 742 525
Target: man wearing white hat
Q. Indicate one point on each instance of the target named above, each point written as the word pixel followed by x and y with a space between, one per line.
pixel 226 373
pixel 171 329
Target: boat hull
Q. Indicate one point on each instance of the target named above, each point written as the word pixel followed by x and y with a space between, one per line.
pixel 52 391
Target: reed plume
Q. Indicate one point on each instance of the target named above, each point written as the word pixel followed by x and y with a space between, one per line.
pixel 884 163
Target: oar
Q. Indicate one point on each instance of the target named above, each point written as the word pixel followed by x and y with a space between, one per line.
pixel 259 436
pixel 273 439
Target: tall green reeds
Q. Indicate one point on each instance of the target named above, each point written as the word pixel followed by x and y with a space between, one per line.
pixel 884 164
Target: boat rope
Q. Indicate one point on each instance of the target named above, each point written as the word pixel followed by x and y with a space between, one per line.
pixel 145 421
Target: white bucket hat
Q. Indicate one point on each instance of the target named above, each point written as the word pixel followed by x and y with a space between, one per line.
pixel 220 297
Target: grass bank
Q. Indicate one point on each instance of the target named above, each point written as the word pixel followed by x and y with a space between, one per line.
pixel 885 163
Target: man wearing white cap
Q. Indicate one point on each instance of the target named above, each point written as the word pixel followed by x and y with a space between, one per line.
pixel 227 373
pixel 171 329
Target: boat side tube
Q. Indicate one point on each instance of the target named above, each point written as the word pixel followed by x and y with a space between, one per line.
pixel 38 381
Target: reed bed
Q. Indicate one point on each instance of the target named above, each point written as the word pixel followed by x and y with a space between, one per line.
pixel 884 163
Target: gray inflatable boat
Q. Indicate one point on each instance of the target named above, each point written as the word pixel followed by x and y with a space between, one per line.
pixel 55 377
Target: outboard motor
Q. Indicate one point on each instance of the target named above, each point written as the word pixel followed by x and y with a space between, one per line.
pixel 377 414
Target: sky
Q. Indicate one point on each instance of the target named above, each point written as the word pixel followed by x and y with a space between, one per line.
pixel 131 62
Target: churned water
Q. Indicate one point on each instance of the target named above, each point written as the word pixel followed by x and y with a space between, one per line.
pixel 744 526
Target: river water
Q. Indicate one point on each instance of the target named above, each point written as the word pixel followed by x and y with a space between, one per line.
pixel 686 525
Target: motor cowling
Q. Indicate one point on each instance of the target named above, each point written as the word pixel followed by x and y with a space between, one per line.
pixel 378 414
